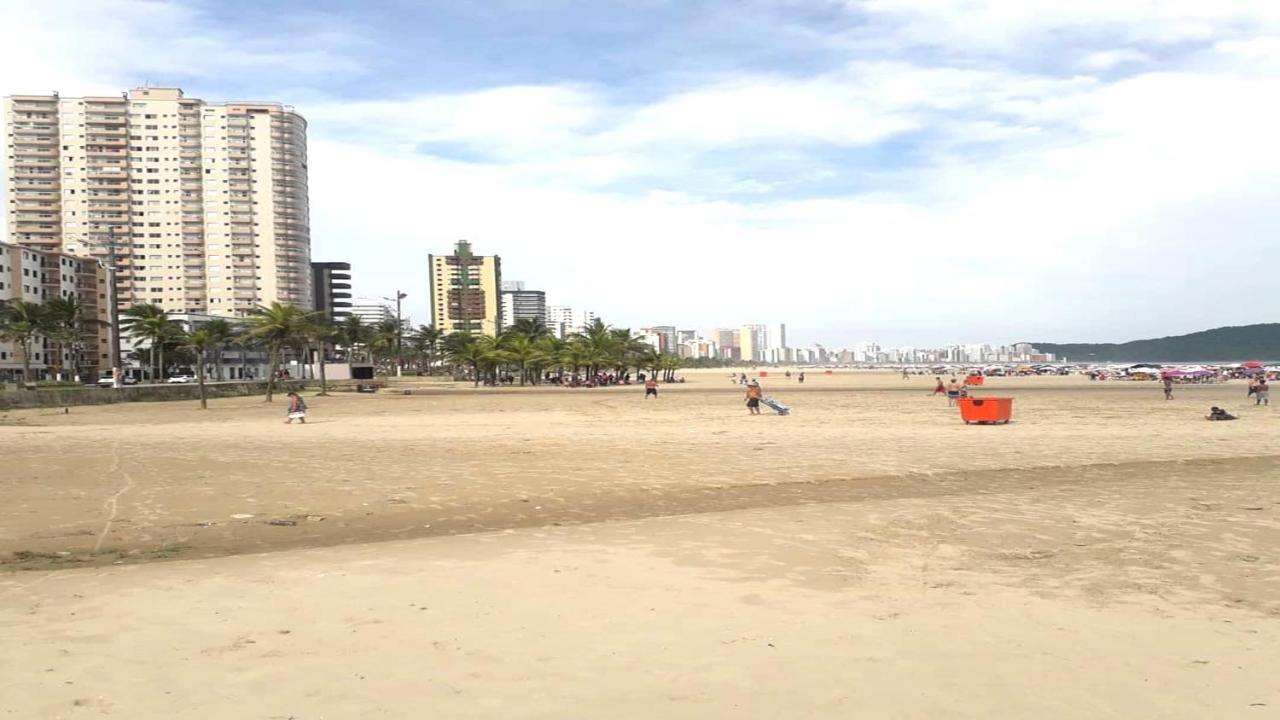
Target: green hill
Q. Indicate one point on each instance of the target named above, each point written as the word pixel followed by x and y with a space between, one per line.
pixel 1225 344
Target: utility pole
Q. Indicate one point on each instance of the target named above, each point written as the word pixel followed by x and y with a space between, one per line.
pixel 113 308
pixel 399 333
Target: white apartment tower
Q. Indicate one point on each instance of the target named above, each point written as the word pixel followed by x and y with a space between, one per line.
pixel 206 204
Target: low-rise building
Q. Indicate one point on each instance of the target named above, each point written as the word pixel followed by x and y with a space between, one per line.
pixel 37 276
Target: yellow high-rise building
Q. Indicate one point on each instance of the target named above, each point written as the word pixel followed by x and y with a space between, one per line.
pixel 466 292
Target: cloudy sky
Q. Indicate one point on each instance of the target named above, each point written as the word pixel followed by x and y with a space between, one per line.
pixel 908 171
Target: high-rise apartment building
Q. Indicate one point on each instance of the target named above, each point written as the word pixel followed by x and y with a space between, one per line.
pixel 372 311
pixel 331 290
pixel 565 321
pixel 728 341
pixel 38 276
pixel 753 341
pixel 521 304
pixel 466 292
pixel 668 342
pixel 205 204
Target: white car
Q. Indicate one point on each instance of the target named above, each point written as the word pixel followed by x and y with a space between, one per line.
pixel 181 380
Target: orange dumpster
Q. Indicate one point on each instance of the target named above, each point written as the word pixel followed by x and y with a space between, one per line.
pixel 975 380
pixel 828 372
pixel 986 410
pixel 764 373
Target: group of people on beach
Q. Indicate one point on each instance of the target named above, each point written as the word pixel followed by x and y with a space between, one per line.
pixel 1259 391
pixel 954 390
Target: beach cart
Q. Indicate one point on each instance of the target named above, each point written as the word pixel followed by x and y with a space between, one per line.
pixel 986 410
pixel 775 406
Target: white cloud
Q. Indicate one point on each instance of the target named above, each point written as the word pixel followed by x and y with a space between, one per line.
pixel 1103 60
pixel 1024 26
pixel 105 46
pixel 1147 182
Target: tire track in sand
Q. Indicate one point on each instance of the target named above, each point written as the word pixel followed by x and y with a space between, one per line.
pixel 112 503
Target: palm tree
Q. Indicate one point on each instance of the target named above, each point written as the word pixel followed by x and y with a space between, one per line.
pixel 522 351
pixel 531 328
pixel 277 326
pixel 669 364
pixel 322 331
pixel 221 334
pixel 149 322
pixel 352 335
pixel 578 353
pixel 474 352
pixel 65 320
pixel 199 342
pixel 424 342
pixel 382 340
pixel 21 322
pixel 552 349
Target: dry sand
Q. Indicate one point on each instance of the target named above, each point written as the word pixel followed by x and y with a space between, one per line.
pixel 586 553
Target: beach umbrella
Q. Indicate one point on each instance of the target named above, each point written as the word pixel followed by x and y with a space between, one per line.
pixel 1251 365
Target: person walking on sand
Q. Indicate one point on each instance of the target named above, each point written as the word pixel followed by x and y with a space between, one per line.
pixel 1168 387
pixel 1253 387
pixel 297 409
pixel 801 378
pixel 953 392
pixel 754 393
pixel 905 375
pixel 1262 395
pixel 939 389
pixel 651 388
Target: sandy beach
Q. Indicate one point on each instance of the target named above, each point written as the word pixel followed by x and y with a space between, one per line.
pixel 550 553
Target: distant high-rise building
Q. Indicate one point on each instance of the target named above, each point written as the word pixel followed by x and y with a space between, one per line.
pixel 331 290
pixel 372 311
pixel 565 321
pixel 777 343
pixel 466 292
pixel 205 204
pixel 753 340
pixel 728 341
pixel 521 304
pixel 669 343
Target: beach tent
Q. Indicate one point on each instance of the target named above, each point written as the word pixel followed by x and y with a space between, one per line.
pixel 1251 365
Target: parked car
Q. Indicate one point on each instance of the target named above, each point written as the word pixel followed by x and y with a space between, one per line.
pixel 181 379
pixel 108 381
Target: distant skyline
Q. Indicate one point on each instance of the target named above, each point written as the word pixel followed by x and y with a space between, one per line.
pixel 910 172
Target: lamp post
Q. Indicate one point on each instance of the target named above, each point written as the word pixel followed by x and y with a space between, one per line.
pixel 399 332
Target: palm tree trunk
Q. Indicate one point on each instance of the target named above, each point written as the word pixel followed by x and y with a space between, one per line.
pixel 204 403
pixel 273 360
pixel 161 368
pixel 475 373
pixel 324 385
pixel 26 362
pixel 151 367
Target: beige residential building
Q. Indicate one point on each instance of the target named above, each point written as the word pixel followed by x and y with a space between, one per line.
pixel 206 203
pixel 37 276
pixel 466 292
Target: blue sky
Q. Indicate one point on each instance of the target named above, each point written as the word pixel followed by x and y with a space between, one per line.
pixel 913 172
